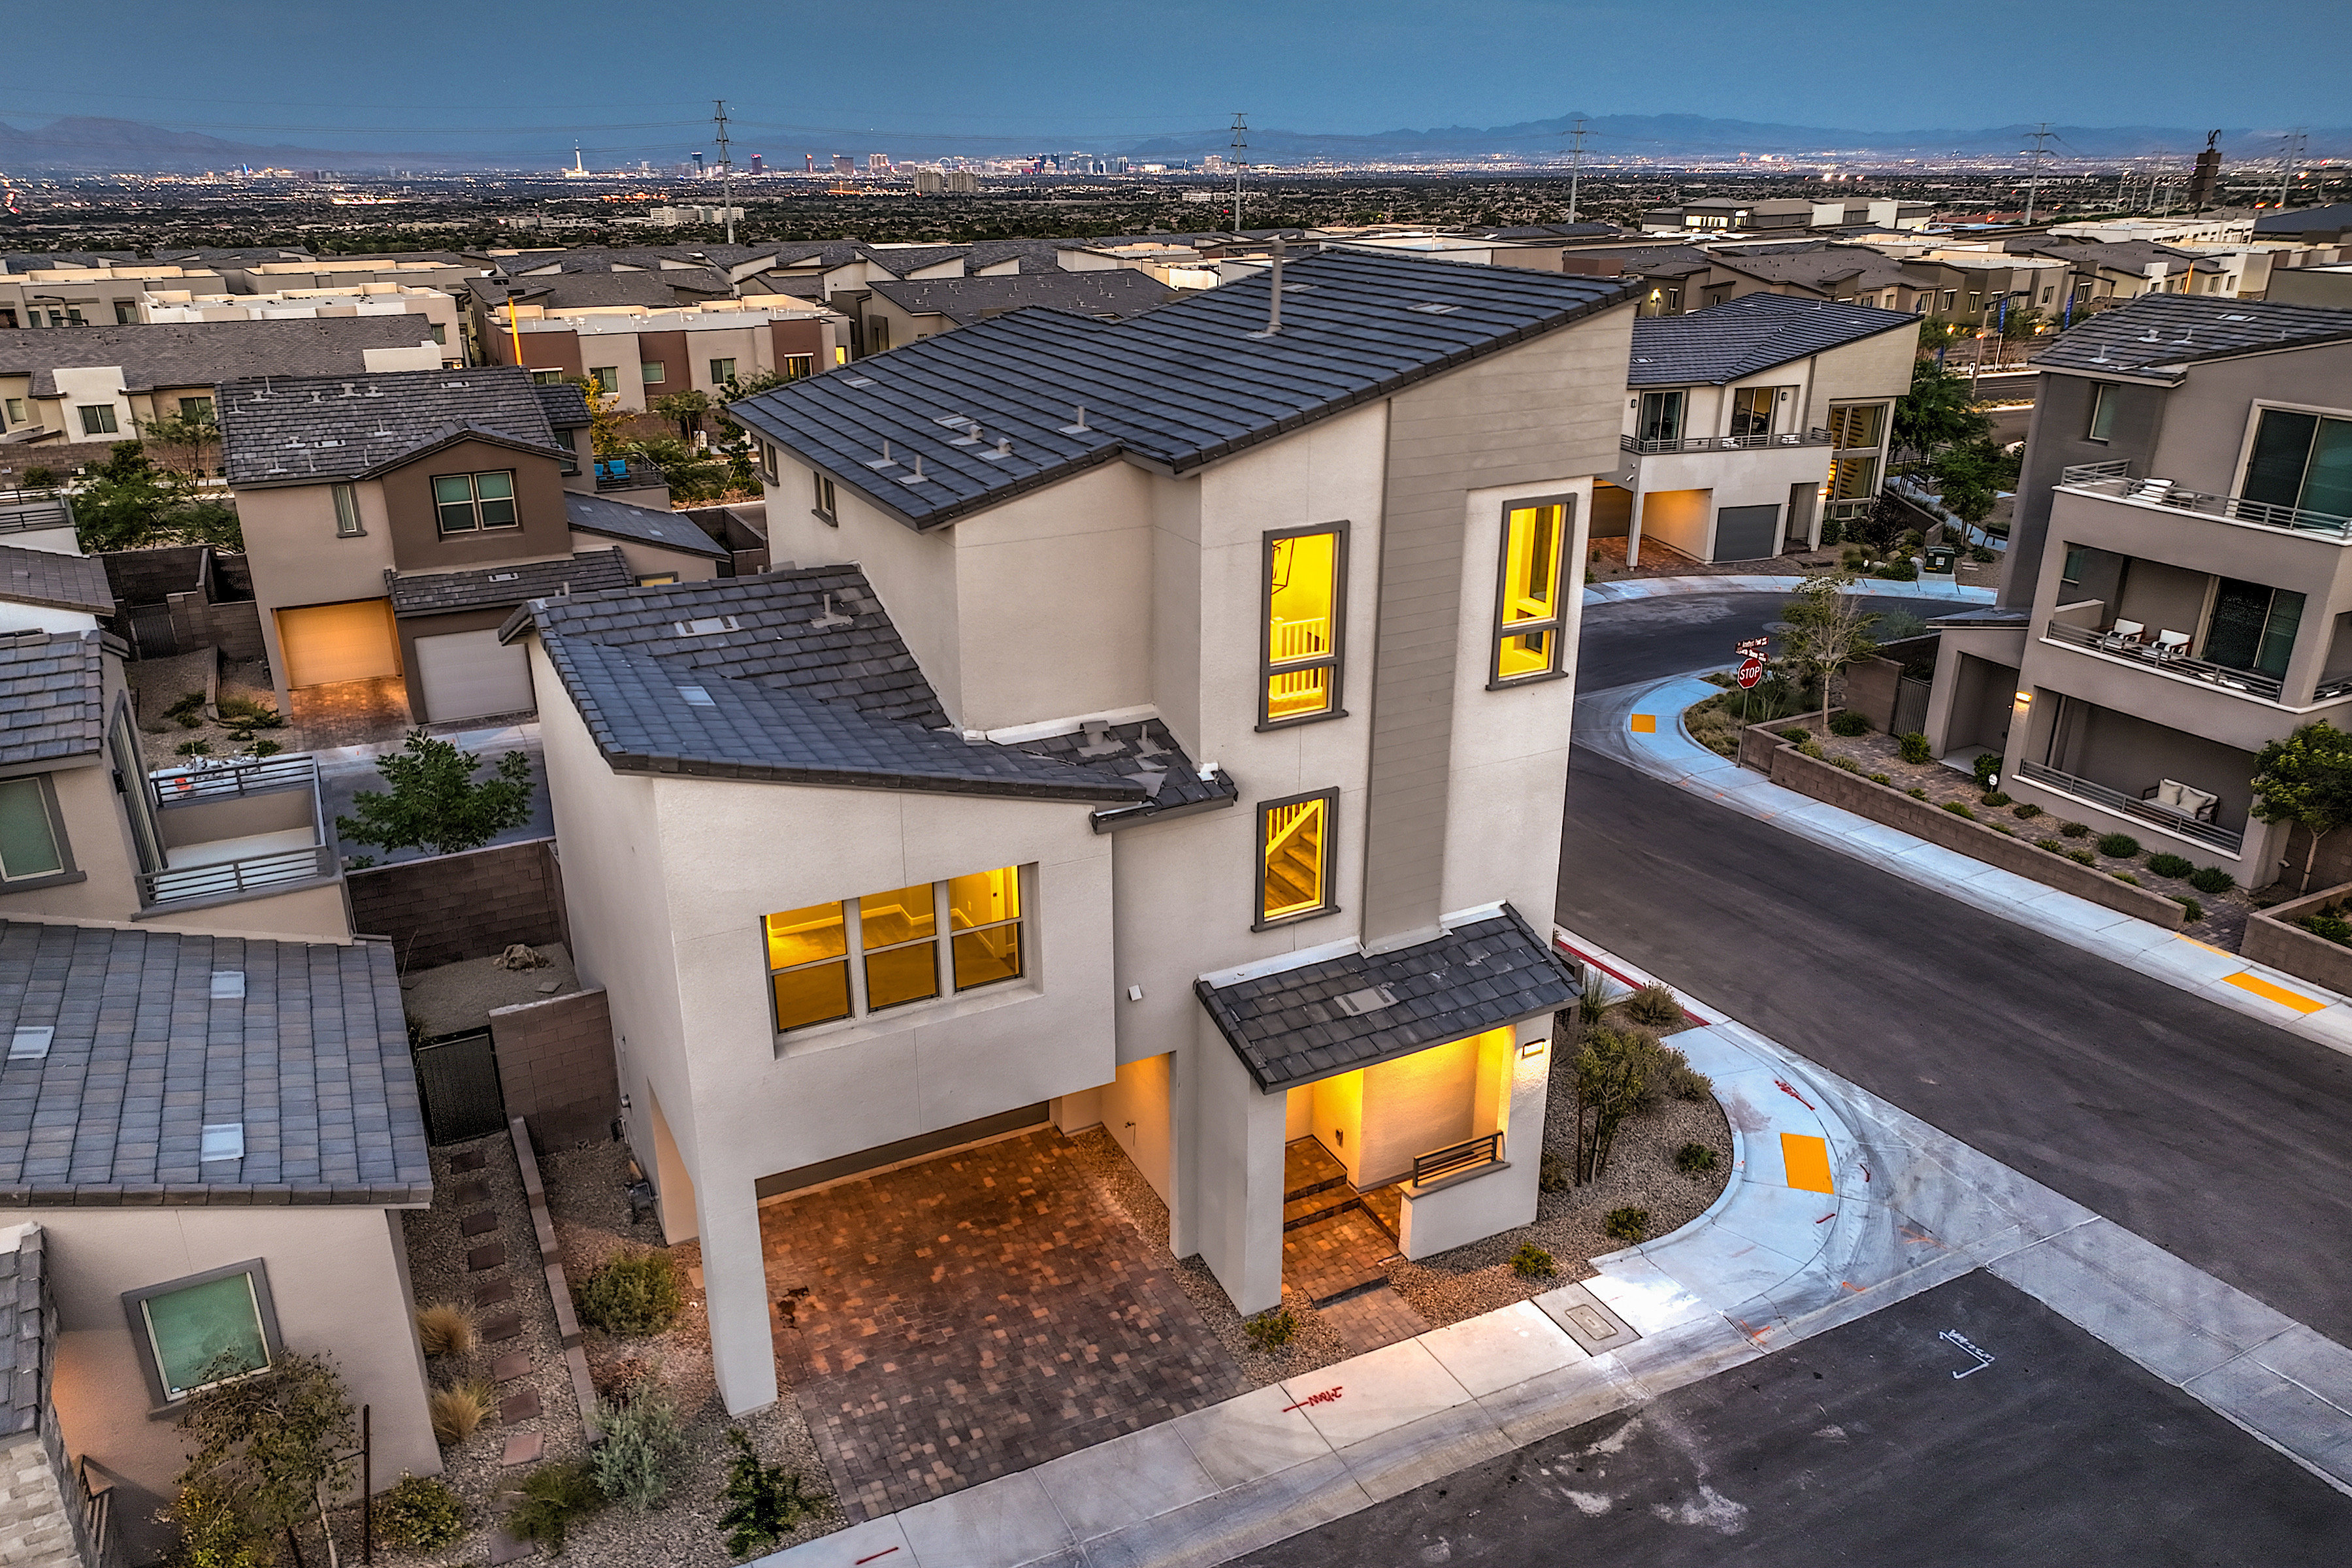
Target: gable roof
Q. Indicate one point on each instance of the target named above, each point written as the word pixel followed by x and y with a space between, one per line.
pixel 2332 219
pixel 1754 332
pixel 1121 292
pixel 199 354
pixel 493 587
pixel 638 524
pixel 311 1061
pixel 1177 387
pixel 306 432
pixel 565 404
pixel 52 696
pixel 2160 335
pixel 56 580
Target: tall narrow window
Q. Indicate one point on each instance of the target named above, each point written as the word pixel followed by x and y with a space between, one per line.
pixel 2252 626
pixel 722 370
pixel 897 931
pixel 347 511
pixel 1662 416
pixel 1293 868
pixel 2300 460
pixel 984 910
pixel 1305 587
pixel 808 965
pixel 1527 610
pixel 1856 424
pixel 2103 411
pixel 825 505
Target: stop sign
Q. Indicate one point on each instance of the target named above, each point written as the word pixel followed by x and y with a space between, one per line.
pixel 1750 672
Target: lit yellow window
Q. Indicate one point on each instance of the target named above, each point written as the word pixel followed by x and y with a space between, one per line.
pixel 1295 879
pixel 1528 633
pixel 809 965
pixel 1302 630
pixel 984 915
pixel 897 932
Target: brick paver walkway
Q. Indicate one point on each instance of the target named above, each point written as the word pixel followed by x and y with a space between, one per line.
pixel 975 1315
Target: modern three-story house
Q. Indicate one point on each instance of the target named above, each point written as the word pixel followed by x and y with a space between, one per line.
pixel 1164 726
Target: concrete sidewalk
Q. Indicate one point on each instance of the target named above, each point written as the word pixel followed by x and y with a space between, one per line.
pixel 1840 1204
pixel 1927 587
pixel 1642 726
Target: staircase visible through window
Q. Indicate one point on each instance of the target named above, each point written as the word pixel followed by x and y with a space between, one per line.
pixel 1295 879
pixel 1302 633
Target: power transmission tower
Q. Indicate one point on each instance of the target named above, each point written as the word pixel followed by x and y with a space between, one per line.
pixel 726 174
pixel 2034 169
pixel 1575 164
pixel 2290 154
pixel 1240 145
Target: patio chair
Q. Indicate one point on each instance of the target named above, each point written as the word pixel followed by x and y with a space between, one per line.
pixel 2185 801
pixel 2173 645
pixel 2124 634
pixel 2152 490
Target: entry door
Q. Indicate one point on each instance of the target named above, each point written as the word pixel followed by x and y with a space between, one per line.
pixel 467 675
pixel 326 643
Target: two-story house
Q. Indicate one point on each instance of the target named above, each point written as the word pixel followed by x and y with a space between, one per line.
pixel 392 521
pixel 1749 424
pixel 2179 586
pixel 211 1119
pixel 1165 729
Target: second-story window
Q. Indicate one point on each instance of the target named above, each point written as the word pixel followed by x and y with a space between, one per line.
pixel 97 418
pixel 2300 460
pixel 468 503
pixel 30 843
pixel 1751 410
pixel 826 509
pixel 1857 426
pixel 1293 844
pixel 2252 626
pixel 796 367
pixel 1527 607
pixel 831 961
pixel 653 373
pixel 1662 416
pixel 347 511
pixel 2103 411
pixel 1305 577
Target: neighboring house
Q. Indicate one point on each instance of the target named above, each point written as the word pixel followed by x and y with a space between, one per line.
pixel 1782 213
pixel 438 310
pixel 2330 286
pixel 898 313
pixel 638 353
pixel 2109 274
pixel 58 291
pixel 218 1117
pixel 391 522
pixel 1190 763
pixel 103 383
pixel 1747 425
pixel 439 271
pixel 2311 226
pixel 2179 587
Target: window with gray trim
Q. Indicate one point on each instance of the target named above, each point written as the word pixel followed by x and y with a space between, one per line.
pixel 1302 637
pixel 204 1330
pixel 468 503
pixel 2103 411
pixel 1528 609
pixel 347 511
pixel 32 838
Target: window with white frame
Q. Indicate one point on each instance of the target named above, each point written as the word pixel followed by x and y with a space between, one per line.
pixel 867 955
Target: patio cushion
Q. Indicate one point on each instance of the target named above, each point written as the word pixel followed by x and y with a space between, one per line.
pixel 2168 792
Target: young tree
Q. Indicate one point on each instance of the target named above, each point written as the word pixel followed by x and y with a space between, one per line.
pixel 435 803
pixel 1828 630
pixel 2307 779
pixel 1938 412
pixel 127 503
pixel 271 1445
pixel 1971 475
pixel 1612 1079
pixel 608 422
pixel 183 441
pixel 687 408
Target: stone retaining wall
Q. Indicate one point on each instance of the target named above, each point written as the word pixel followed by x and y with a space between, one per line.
pixel 2273 938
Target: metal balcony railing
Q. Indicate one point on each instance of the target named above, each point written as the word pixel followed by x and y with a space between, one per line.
pixel 229 781
pixel 2124 804
pixel 613 474
pixel 237 879
pixel 24 511
pixel 1440 1163
pixel 2252 683
pixel 2114 480
pixel 1653 447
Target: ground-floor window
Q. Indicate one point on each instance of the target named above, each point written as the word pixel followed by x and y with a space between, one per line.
pixel 204 1330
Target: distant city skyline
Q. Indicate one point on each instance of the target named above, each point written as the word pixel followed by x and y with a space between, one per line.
pixel 639 80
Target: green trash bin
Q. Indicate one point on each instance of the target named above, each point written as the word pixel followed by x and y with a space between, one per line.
pixel 1940 558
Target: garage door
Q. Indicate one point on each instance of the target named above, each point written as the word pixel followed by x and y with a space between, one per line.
pixel 325 643
pixel 1746 532
pixel 468 674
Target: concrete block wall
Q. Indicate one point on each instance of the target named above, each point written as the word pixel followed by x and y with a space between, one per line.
pixel 454 907
pixel 233 627
pixel 555 1067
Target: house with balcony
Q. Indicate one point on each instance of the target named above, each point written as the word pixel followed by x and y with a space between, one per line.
pixel 2179 587
pixel 392 522
pixel 1749 424
pixel 1164 729
pixel 217 1120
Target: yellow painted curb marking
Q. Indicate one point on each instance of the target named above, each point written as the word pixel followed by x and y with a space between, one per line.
pixel 1808 1161
pixel 2246 980
pixel 1645 723
pixel 2206 945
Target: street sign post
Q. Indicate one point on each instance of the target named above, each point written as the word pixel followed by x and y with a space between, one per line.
pixel 1750 673
pixel 1751 651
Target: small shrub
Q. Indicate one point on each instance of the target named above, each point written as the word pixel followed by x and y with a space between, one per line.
pixel 265 748
pixel 2167 865
pixel 1994 798
pixel 1833 531
pixel 554 1498
pixel 1555 1175
pixel 2074 829
pixel 1848 763
pixel 214 1532
pixel 190 705
pixel 2126 877
pixel 1810 747
pixel 1795 735
pixel 446 1328
pixel 1985 769
pixel 2119 846
pixel 1957 809
pixel 764 1503
pixel 1982 556
pixel 1627 1224
pixel 2026 813
pixel 2334 928
pixel 1674 1075
pixel 1532 1262
pixel 2193 909
pixel 1272 1329
pixel 1899 572
pixel 1915 793
pixel 2056 846
pixel 2082 856
pixel 633 1294
pixel 1693 1159
pixel 457 1410
pixel 1654 1005
pixel 641 1444
pixel 1849 723
pixel 1880 779
pixel 1914 747
pixel 247 714
pixel 420 1514
pixel 193 749
pixel 2211 880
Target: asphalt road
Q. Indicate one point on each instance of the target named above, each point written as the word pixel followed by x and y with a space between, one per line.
pixel 1862 1447
pixel 2221 1139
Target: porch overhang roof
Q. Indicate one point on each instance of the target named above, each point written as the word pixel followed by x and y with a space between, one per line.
pixel 1289 1029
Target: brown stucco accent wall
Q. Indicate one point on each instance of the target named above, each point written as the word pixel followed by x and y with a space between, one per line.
pixel 800 338
pixel 418 545
pixel 669 351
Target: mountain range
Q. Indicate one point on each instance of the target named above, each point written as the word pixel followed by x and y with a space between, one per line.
pixel 91 145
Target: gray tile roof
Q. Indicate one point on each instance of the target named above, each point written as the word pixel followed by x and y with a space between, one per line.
pixel 1146 753
pixel 1286 1029
pixel 2131 256
pixel 565 404
pixel 312 1060
pixel 642 524
pixel 48 577
pixel 1751 333
pixel 302 432
pixel 28 1328
pixel 1177 387
pixel 2307 220
pixel 1119 293
pixel 575 290
pixel 2158 334
pixel 898 262
pixel 496 587
pixel 199 354
pixel 52 696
